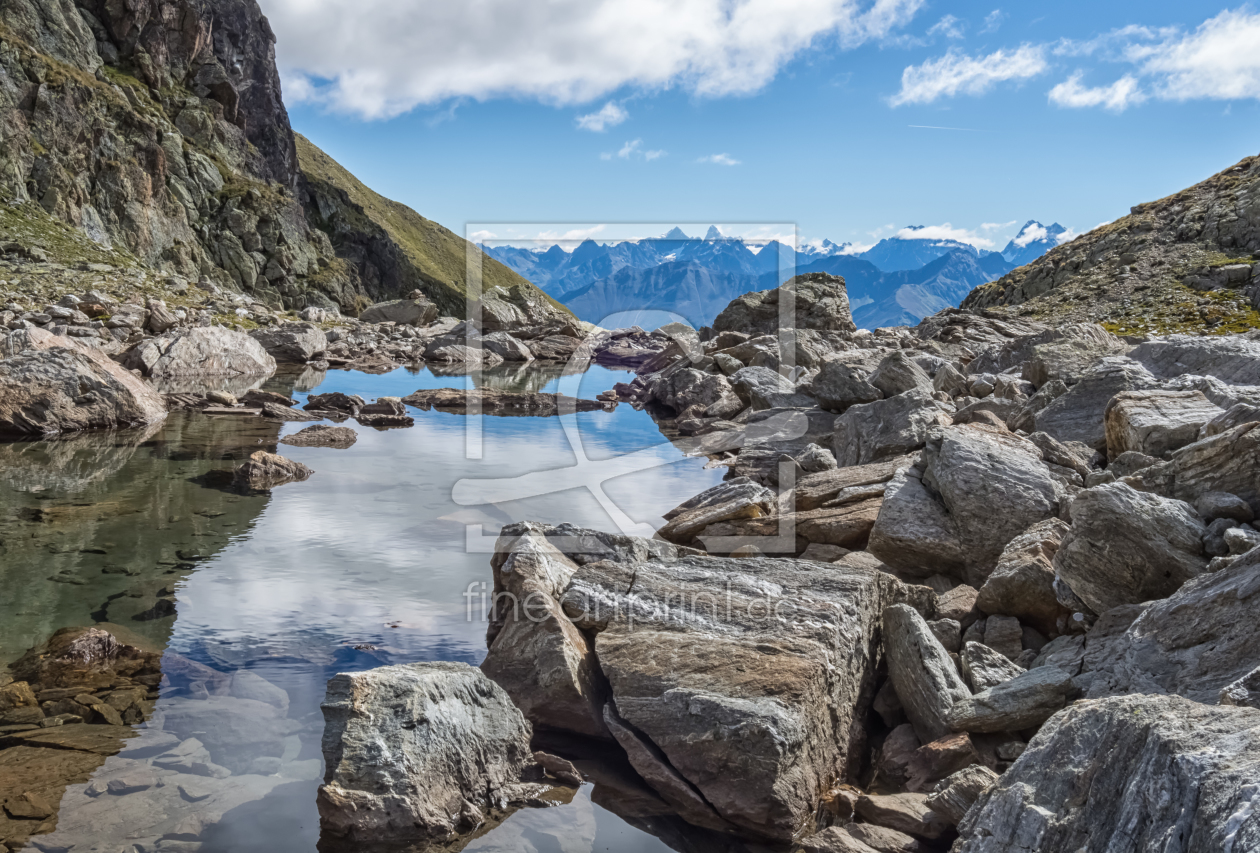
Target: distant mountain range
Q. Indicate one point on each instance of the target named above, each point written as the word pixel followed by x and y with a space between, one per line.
pixel 897 282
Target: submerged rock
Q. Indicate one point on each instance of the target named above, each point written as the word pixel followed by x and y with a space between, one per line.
pixel 489 401
pixel 264 471
pixel 420 751
pixel 322 435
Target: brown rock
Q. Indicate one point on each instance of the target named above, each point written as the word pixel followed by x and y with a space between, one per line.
pixel 264 471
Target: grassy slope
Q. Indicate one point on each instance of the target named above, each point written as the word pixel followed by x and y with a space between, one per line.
pixel 437 255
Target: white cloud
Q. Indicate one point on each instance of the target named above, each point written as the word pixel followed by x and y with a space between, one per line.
pixel 572 235
pixel 653 155
pixel 720 160
pixel 1220 60
pixel 482 236
pixel 998 226
pixel 1117 97
pixel 630 148
pixel 944 232
pixel 1031 234
pixel 634 148
pixel 948 26
pixel 993 20
pixel 955 73
pixel 610 116
pixel 385 57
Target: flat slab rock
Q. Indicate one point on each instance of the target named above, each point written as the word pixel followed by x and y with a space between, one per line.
pixel 488 401
pixel 750 678
pixel 1128 774
pixel 339 438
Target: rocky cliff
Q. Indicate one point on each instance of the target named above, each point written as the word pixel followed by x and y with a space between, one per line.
pixel 156 128
pixel 1181 264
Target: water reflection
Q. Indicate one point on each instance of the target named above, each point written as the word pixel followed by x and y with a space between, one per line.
pixel 259 599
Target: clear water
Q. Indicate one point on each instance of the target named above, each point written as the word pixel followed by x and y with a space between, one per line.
pixel 374 551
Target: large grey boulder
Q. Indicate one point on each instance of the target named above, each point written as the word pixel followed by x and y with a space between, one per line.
pixel 1126 547
pixel 914 533
pixel 209 351
pixel 898 373
pixel 536 654
pixel 763 388
pixel 1127 775
pixel 65 389
pixel 1156 422
pixel 954 796
pixel 1227 462
pixel 506 347
pixel 985 668
pixel 687 387
pixel 886 428
pixel 839 384
pixel 404 312
pixel 1078 415
pixel 840 486
pixel 1231 358
pixel 811 301
pixel 750 677
pixel 1194 643
pixel 295 343
pixel 922 672
pixel 1060 352
pixel 1022 584
pixel 994 486
pixel 419 751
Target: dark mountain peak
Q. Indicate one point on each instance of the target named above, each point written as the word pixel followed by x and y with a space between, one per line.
pixel 713 233
pixel 675 233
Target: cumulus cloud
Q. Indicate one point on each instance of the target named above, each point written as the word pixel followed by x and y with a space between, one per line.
pixel 385 57
pixel 1031 234
pixel 955 73
pixel 610 116
pixel 944 232
pixel 1220 60
pixel 719 160
pixel 1117 97
pixel 634 148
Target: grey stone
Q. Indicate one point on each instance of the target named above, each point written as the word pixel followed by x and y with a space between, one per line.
pixel 763 388
pixel 914 533
pixel 405 312
pixel 1226 462
pixel 984 668
pixel 1164 773
pixel 1024 702
pixel 884 839
pixel 506 347
pixel 1233 358
pixel 921 671
pixel 840 384
pixel 906 813
pixel 1022 584
pixel 1156 422
pixel 811 301
pixel 295 343
pixel 1127 547
pixel 898 373
pixel 418 750
pixel 209 351
pixel 1245 692
pixel 1079 414
pixel 954 796
pixel 886 428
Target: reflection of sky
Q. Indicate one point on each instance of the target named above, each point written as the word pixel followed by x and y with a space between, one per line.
pixel 374 538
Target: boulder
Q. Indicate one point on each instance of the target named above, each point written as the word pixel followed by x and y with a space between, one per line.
pixel 62 389
pixel 506 347
pixel 714 394
pixel 759 716
pixel 1022 583
pixel 463 355
pixel 839 486
pixel 914 533
pixel 1126 547
pixel 1235 415
pixel 953 797
pixel 1245 692
pixel 994 486
pixel 1214 505
pixel 898 373
pixel 906 813
pixel 811 301
pixel 763 388
pixel 738 489
pixel 1156 422
pixel 1024 702
pixel 201 351
pixel 984 668
pixel 419 750
pixel 834 839
pixel 523 310
pixel 536 654
pixel 294 343
pixel 1194 643
pixel 838 384
pixel 1160 773
pixel 404 312
pixel 933 761
pixel 886 428
pixel 686 526
pixel 264 471
pixel 885 840
pixel 1079 414
pixel 893 761
pixel 340 438
pixel 491 401
pixel 1227 462
pixel 1234 359
pixel 921 671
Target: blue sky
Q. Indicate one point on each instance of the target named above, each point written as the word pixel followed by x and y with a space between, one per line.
pixel 824 113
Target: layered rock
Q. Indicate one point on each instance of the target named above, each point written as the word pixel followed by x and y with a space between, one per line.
pixel 810 301
pixel 209 351
pixel 1162 771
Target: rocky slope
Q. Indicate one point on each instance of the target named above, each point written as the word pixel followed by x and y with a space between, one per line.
pixel 1181 264
pixel 157 131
